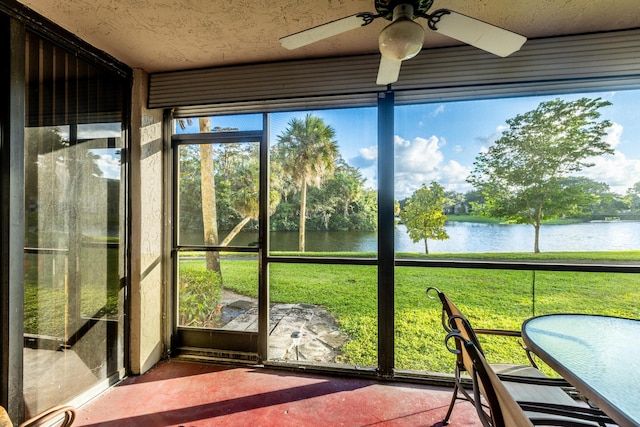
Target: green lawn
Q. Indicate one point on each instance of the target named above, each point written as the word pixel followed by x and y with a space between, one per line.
pixel 490 298
pixel 48 293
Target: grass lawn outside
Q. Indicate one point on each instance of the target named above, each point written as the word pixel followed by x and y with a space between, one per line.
pixel 500 299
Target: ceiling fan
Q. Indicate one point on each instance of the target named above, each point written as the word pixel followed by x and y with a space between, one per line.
pixel 403 38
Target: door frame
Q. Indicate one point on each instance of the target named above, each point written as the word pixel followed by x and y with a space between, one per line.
pixel 235 345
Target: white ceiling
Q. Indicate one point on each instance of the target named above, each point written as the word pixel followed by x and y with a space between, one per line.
pixel 164 35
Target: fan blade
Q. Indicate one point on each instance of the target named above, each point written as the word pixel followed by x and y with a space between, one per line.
pixel 388 71
pixel 477 33
pixel 325 31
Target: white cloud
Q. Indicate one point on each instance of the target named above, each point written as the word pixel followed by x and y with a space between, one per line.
pixel 109 165
pixel 108 161
pixel 418 156
pixel 421 161
pixel 99 130
pixel 439 110
pixel 367 162
pixel 369 153
pixel 93 131
pixel 618 171
pixel 614 134
pixel 454 177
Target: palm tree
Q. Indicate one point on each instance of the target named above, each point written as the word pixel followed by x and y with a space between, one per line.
pixel 307 152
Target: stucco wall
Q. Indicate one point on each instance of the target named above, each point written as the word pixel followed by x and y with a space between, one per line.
pixel 146 326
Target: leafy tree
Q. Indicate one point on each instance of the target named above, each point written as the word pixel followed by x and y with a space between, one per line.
pixel 346 184
pixel 603 201
pixel 236 174
pixel 341 203
pixel 190 200
pixel 423 214
pixel 218 189
pixel 306 151
pixel 521 175
pixel 473 199
pixel 240 175
pixel 365 211
pixel 633 197
pixel 454 202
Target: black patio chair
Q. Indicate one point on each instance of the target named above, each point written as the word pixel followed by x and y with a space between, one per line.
pixel 499 405
pixel 514 373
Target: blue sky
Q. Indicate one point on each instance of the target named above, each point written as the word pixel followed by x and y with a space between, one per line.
pixel 439 141
pixel 447 137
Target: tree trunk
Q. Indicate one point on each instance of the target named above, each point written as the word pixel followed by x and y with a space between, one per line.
pixel 536 247
pixel 426 247
pixel 303 215
pixel 536 226
pixel 208 191
pixel 235 231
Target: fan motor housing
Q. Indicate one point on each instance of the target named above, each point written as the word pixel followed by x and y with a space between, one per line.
pixel 385 7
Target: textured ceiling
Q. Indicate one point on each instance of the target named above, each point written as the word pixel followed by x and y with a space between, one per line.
pixel 164 35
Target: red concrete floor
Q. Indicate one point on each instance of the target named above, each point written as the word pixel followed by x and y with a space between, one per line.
pixel 186 394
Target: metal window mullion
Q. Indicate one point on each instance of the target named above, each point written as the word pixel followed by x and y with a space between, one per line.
pixel 386 304
pixel 171 298
pixel 12 120
pixel 263 243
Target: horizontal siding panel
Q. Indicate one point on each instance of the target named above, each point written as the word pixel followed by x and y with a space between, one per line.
pixel 592 62
pixel 540 88
pixel 261 82
pixel 279 105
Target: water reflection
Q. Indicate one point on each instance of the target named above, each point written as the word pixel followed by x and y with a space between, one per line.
pixel 472 237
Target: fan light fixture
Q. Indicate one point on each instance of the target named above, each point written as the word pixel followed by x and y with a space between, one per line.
pixel 403 38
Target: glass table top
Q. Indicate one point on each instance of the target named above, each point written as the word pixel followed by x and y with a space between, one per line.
pixel 599 355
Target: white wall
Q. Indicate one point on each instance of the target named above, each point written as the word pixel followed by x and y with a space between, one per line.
pixel 147 215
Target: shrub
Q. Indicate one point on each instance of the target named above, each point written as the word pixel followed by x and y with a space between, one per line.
pixel 200 295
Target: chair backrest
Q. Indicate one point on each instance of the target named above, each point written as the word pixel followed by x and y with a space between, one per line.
pixel 453 319
pixel 504 411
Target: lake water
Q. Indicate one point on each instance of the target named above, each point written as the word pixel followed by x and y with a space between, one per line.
pixel 472 237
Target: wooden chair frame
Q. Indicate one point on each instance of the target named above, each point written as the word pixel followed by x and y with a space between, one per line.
pixel 65 416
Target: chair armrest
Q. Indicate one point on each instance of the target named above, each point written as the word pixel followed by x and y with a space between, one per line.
pixel 504 332
pixel 576 412
pixel 508 333
pixel 555 382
